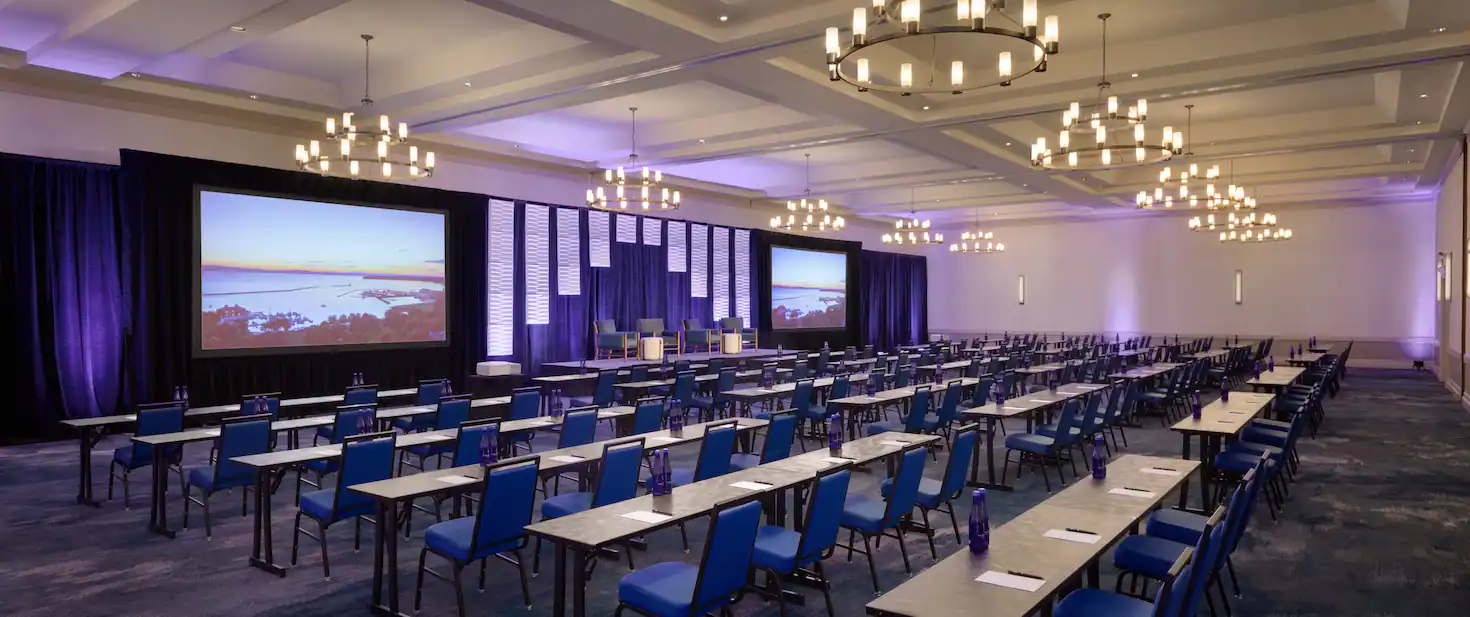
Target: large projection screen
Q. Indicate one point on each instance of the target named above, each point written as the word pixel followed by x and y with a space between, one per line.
pixel 276 274
pixel 808 289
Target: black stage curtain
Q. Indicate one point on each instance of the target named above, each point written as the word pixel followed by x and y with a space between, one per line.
pixel 896 306
pixel 808 339
pixel 159 191
pixel 65 314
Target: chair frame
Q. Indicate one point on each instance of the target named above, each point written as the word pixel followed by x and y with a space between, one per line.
pixel 695 611
pixel 815 574
pixel 867 550
pixel 175 466
pixel 321 535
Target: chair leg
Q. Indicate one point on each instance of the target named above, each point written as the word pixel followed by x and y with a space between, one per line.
pixel 872 569
pixel 458 588
pixel 684 537
pixel 356 533
pixel 933 554
pixel 901 551
pixel 826 587
pixel 525 586
pixel 186 510
pixel 127 494
pixel 1234 582
pixel 208 524
pixel 418 589
pixel 775 580
pixel 955 523
pixel 326 562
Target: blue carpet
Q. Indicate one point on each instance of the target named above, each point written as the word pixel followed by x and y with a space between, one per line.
pixel 1377 525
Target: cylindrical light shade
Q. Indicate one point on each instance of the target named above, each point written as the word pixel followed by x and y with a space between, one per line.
pixel 382 150
pixel 352 168
pixel 402 130
pixel 300 153
pixel 1138 133
pixel 1064 139
pixel 331 127
pixel 1076 110
pixel 859 22
pixel 345 147
pixel 906 75
pixel 1168 135
pixel 347 121
pixel 1142 108
pixel 962 9
pixel 1072 158
pixel 1102 134
pixel 956 73
pixel 1028 14
pixel 1051 29
pixel 1138 154
pixel 429 160
pixel 383 123
pixel 862 70
pixel 1005 64
pixel 1112 106
pixel 1107 156
pixel 910 11
pixel 413 154
pixel 316 148
pixel 832 45
pixel 387 169
pixel 1179 141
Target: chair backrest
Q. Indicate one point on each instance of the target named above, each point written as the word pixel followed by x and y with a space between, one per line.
pixel 430 390
pixel 724 383
pixel 1067 421
pixel 801 396
pixel 681 366
pixel 603 393
pixel 715 451
pixel 648 416
pixel 725 567
pixel 638 373
pixel 962 448
pixel 841 385
pixel 691 324
pixel 824 511
pixel 905 491
pixel 507 500
pixel 272 404
pixel 1115 402
pixel 901 377
pixel 732 324
pixel 1089 413
pixel 604 326
pixel 578 427
pixel 876 379
pixel 780 433
pixel 949 408
pixel 360 395
pixel 452 412
pixel 684 388
pixel 157 419
pixel 467 440
pixel 800 371
pixel 1199 574
pixel 353 420
pixel 1176 586
pixel 982 392
pixel 918 408
pixel 617 474
pixel 365 458
pixel 525 403
pixel 241 436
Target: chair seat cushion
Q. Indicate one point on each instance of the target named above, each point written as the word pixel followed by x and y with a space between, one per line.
pixel 1254 449
pixel 421 422
pixel 323 465
pixel 453 538
pixel 124 457
pixel 1266 436
pixel 680 478
pixel 564 504
pixel 863 513
pixel 1050 430
pixel 1279 425
pixel 878 428
pixel 701 402
pixel 1030 442
pixel 325 432
pixel 318 504
pixel 743 460
pixel 201 476
pixel 663 589
pixel 775 548
pixel 1238 463
pixel 430 449
pixel 928 492
pixel 1088 602
pixel 813 412
pixel 1176 525
pixel 1147 555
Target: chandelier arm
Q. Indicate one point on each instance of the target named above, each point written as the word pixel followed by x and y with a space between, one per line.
pixel 367 74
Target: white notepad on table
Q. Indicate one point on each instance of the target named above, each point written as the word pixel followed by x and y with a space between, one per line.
pixel 568 459
pixel 456 479
pixel 326 451
pixel 1023 583
pixel 751 486
pixel 647 516
pixel 1160 471
pixel 1073 536
pixel 1132 492
pixel 435 437
pixel 663 439
pixel 837 460
pixel 1013 408
pixel 214 432
pixel 895 442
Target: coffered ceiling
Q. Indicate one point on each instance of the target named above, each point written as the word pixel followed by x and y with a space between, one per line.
pixel 1307 102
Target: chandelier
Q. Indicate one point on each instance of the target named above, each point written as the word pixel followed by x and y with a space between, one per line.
pixel 645 183
pixel 1104 119
pixel 1234 197
pixel 1231 222
pixel 361 150
pixel 1254 236
pixel 912 230
pixel 977 242
pixel 979 31
pixel 803 215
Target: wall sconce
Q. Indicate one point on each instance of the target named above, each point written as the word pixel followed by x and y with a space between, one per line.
pixel 1021 289
pixel 1440 293
pixel 1238 285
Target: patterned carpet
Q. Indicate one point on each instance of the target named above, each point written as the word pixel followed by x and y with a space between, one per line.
pixel 1378 525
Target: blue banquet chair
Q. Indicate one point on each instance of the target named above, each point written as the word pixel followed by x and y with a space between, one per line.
pixel 365 458
pixel 240 436
pixel 677 589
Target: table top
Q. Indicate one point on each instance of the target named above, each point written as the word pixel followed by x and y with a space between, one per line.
pixel 1034 401
pixel 657 383
pixel 607 525
pixel 1041 368
pixel 949 588
pixel 1240 345
pixel 692 356
pixel 219 410
pixel 383 413
pixel 1308 358
pixel 790 386
pixel 1280 377
pixel 1144 372
pixel 1208 354
pixel 898 394
pixel 1222 418
pixel 1322 347
pixel 947 366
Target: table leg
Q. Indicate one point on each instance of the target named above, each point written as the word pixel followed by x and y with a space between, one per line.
pixel 84 488
pixel 263 556
pixel 1184 487
pixel 1209 447
pixel 579 582
pixel 159 510
pixel 991 484
pixel 559 589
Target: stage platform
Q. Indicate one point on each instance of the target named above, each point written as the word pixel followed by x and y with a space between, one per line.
pixel 702 356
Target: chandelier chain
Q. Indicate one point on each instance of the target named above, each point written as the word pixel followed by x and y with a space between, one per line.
pixel 367 74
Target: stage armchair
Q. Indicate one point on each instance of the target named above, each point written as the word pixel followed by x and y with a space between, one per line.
pixel 653 327
pixel 696 334
pixel 610 341
pixel 736 325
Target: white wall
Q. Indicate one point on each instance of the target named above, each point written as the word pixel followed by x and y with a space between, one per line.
pixel 69 130
pixel 1450 222
pixel 1363 273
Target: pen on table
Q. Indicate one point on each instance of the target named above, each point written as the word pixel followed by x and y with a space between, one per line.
pixel 1074 530
pixel 1024 575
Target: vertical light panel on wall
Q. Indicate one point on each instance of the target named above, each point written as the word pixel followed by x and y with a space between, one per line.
pixel 1239 287
pixel 538 264
pixel 1021 289
pixel 698 261
pixel 742 275
pixel 653 231
pixel 678 247
pixel 501 283
pixel 599 241
pixel 568 252
pixel 722 272
pixel 627 228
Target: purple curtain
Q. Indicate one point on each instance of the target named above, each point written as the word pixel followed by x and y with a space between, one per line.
pixel 66 311
pixel 895 299
pixel 568 336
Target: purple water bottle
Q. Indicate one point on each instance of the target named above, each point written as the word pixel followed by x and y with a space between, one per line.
pixel 186 396
pixel 979 523
pixel 676 423
pixel 178 393
pixel 1271 363
pixel 1195 406
pixel 656 467
pixel 834 433
pixel 487 453
pixel 1000 392
pixel 1291 353
pixel 668 472
pixel 1224 393
pixel 1099 460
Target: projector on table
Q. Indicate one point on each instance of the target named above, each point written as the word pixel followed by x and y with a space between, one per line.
pixel 496 367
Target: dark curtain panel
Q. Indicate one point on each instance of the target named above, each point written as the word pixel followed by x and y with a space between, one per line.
pixel 66 313
pixel 633 287
pixel 568 336
pixel 159 191
pixel 896 299
pixel 763 240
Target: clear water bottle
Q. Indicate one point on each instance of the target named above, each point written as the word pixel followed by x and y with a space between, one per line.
pixel 448 388
pixel 584 366
pixel 178 393
pixel 487 449
pixel 364 423
pixel 834 433
pixel 1099 459
pixel 979 523
pixel 656 476
pixel 778 350
pixel 186 396
pixel 557 405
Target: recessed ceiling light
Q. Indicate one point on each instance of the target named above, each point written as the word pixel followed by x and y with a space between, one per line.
pixel 1419 122
pixel 701 141
pixel 1424 96
pixel 254 97
pixel 1135 74
pixel 135 74
pixel 1008 143
pixel 724 18
pixel 238 28
pixel 466 84
pixel 1437 30
pixel 1025 185
pixel 926 108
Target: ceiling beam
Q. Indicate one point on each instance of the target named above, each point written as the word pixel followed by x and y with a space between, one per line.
pixel 93 16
